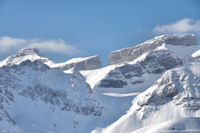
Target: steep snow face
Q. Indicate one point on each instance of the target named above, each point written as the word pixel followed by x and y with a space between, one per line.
pixel 32 92
pixel 174 95
pixel 129 54
pixel 183 125
pixel 93 77
pixel 87 63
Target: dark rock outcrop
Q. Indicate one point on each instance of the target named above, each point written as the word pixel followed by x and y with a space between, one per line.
pixel 155 62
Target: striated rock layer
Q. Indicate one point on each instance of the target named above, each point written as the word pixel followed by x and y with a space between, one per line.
pixel 87 63
pixel 129 54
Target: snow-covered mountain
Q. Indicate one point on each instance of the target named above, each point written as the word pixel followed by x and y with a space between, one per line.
pixel 156 56
pixel 174 95
pixel 151 83
pixel 37 98
pixel 152 65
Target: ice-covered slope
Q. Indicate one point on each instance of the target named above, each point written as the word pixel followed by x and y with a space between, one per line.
pixel 175 95
pixel 183 125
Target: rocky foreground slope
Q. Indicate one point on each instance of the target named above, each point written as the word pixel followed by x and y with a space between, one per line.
pixel 38 95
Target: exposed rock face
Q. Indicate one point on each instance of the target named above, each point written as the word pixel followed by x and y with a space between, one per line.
pixel 155 62
pixel 129 54
pixel 160 61
pixel 182 40
pixel 88 63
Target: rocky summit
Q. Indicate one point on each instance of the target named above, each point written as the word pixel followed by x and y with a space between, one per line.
pixel 128 54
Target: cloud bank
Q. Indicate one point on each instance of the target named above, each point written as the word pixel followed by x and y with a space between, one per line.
pixel 8 44
pixel 185 25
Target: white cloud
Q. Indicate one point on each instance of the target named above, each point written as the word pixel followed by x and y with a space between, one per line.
pixel 58 46
pixel 8 43
pixel 185 25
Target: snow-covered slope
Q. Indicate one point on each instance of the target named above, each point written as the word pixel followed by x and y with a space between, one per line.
pixel 174 95
pixel 183 125
pixel 196 54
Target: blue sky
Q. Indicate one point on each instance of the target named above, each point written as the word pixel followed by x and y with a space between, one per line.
pixel 91 27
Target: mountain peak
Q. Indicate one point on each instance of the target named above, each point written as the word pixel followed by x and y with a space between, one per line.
pixel 31 54
pixel 28 51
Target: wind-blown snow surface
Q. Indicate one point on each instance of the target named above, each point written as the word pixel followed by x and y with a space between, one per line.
pixel 196 54
pixel 174 95
pixel 182 125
